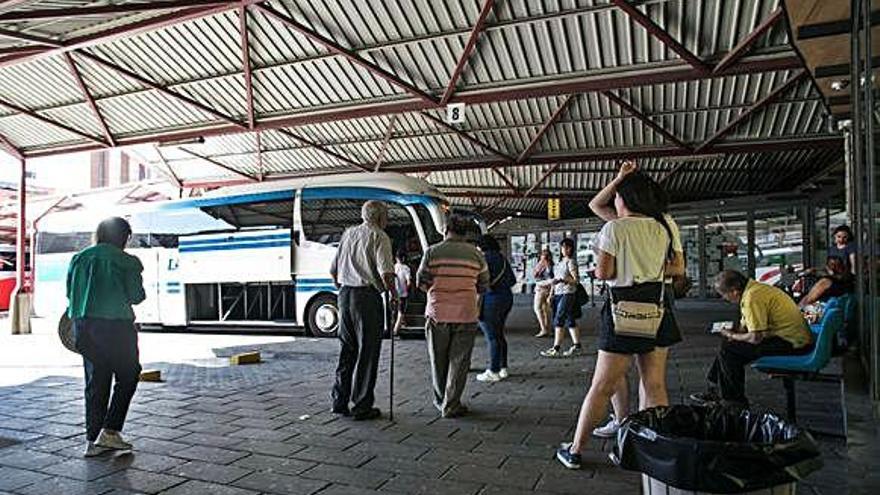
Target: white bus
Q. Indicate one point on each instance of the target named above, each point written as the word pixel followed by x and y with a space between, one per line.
pixel 254 256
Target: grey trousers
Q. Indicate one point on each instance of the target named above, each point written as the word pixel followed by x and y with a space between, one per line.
pixel 449 350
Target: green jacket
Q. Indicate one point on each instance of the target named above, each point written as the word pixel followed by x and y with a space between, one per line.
pixel 104 282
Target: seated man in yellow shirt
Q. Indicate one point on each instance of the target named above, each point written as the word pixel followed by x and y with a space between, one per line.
pixel 771 324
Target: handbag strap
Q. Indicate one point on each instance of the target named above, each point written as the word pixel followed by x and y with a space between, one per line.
pixel 500 274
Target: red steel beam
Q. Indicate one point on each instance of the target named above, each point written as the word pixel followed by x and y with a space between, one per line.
pixel 743 46
pixel 552 120
pixel 467 137
pixel 217 164
pixel 580 194
pixel 246 66
pixel 41 40
pixel 495 204
pixel 91 10
pixel 747 113
pixel 635 112
pixel 594 155
pixel 351 55
pixel 126 30
pixel 471 139
pixel 7 146
pixel 46 120
pixel 21 49
pixel 627 78
pixel 546 175
pixel 324 149
pixel 636 15
pixel 162 89
pixel 468 48
pixel 80 82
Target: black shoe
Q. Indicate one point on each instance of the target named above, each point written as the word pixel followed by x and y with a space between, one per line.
pixel 458 412
pixel 705 398
pixel 341 411
pixel 372 413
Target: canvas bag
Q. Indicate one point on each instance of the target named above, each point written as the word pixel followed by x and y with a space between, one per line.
pixel 640 319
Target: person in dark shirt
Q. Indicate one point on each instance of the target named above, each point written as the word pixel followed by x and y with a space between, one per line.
pixel 836 282
pixel 496 305
pixel 844 247
pixel 103 282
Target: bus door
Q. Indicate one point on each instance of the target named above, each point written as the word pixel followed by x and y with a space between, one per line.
pixel 148 310
pixel 169 289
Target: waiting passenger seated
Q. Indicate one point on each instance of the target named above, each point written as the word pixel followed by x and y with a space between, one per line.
pixel 771 325
pixel 836 282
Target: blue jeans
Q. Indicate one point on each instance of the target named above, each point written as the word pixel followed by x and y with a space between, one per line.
pixel 493 315
pixel 109 350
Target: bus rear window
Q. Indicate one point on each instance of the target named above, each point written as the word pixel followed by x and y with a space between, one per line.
pixel 67 242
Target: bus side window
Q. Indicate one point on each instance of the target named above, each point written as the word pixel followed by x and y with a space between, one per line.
pixel 324 220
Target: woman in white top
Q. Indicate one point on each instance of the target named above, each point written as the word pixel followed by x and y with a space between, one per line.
pixel 565 309
pixel 403 281
pixel 637 248
pixel 543 273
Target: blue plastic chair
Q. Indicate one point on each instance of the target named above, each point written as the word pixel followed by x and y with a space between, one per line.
pixel 808 366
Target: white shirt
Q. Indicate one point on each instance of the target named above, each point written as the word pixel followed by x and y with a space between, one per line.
pixel 565 269
pixel 363 256
pixel 638 245
pixel 403 276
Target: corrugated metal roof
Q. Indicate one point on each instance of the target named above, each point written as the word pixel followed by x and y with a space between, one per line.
pixel 340 103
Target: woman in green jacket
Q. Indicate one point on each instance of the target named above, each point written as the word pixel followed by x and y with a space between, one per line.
pixel 103 282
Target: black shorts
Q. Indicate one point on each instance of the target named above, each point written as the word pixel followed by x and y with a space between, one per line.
pixel 668 334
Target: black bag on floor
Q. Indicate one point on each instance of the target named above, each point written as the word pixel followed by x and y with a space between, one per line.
pixel 719 449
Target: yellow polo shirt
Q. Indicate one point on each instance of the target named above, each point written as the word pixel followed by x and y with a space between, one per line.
pixel 765 308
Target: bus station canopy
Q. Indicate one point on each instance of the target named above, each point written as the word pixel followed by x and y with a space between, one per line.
pixel 710 96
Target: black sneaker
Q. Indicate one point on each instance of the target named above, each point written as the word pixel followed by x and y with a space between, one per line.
pixel 567 458
pixel 372 413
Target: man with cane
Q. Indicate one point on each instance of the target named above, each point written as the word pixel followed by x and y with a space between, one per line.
pixel 362 270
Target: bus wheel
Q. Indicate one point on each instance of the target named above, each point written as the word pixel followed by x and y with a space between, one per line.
pixel 323 316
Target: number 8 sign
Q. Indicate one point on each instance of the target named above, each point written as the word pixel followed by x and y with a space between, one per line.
pixel 455 113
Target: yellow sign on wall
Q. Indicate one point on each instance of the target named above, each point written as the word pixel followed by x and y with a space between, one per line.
pixel 553 209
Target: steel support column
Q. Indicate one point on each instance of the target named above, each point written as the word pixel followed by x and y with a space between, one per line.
pixel 750 243
pixel 20 303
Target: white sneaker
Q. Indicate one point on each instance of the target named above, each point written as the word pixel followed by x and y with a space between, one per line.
pixel 112 440
pixel 93 450
pixel 552 353
pixel 488 376
pixel 503 373
pixel 608 430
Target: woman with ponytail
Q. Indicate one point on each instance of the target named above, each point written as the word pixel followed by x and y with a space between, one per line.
pixel 638 249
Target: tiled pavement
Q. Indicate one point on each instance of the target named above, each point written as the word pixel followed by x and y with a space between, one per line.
pixel 266 428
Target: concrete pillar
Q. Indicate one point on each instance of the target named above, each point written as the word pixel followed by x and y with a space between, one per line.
pixel 20 303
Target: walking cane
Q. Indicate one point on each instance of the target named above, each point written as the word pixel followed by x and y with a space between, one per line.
pixel 392 304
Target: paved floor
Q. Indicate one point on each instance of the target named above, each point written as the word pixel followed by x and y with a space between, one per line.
pixel 265 428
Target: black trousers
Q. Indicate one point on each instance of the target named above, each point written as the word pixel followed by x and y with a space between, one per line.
pixel 109 350
pixel 360 341
pixel 729 369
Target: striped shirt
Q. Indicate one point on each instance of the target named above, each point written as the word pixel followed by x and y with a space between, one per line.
pixel 454 271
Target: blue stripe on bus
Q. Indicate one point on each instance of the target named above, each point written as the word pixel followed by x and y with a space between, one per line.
pixel 327 280
pixel 235 246
pixel 316 288
pixel 359 193
pixel 228 200
pixel 220 240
